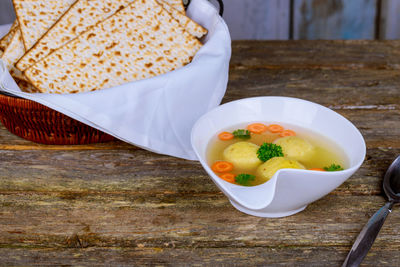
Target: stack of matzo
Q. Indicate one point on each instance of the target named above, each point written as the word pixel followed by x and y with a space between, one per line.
pixel 97 44
pixel 35 17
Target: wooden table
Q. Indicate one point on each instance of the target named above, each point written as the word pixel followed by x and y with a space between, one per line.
pixel 116 204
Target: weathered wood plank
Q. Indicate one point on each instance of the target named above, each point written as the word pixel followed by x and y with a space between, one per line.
pixel 259 256
pixel 51 220
pixel 262 256
pixel 339 55
pixel 74 174
pixel 199 221
pixel 258 19
pixel 340 89
pixel 389 20
pixel 334 19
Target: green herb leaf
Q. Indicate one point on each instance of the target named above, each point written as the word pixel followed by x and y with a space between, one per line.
pixel 333 168
pixel 242 134
pixel 244 179
pixel 268 151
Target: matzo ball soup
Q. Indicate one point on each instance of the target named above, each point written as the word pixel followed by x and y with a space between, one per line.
pixel 250 154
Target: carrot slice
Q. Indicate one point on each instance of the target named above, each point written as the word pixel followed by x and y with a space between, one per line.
pixel 275 128
pixel 229 177
pixel 257 128
pixel 222 166
pixel 287 133
pixel 317 169
pixel 224 136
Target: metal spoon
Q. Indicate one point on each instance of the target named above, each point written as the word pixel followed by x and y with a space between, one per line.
pixel 367 236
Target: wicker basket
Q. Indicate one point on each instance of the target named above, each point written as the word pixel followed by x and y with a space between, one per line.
pixel 40 124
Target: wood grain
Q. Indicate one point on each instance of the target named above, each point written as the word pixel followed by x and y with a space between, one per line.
pixel 115 204
pixel 329 55
pixel 260 256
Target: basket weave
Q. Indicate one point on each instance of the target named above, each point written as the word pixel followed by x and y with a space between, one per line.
pixel 38 123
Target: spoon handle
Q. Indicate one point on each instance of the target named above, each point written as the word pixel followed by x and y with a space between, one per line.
pixel 367 236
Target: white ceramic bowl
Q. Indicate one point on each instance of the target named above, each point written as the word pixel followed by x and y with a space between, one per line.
pixel 290 190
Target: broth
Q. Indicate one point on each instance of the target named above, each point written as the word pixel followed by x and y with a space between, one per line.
pixel 325 152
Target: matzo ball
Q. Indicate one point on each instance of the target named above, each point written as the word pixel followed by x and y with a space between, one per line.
pixel 296 148
pixel 271 166
pixel 243 155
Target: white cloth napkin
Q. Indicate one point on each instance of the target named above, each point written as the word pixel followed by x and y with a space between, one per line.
pixel 156 114
pixel 4 29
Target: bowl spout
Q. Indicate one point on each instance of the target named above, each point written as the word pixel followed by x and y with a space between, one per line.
pixel 252 197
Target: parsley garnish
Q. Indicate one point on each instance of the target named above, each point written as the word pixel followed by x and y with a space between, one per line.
pixel 268 151
pixel 242 134
pixel 333 168
pixel 244 179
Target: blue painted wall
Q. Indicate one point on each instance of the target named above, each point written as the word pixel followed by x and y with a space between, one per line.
pixel 335 19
